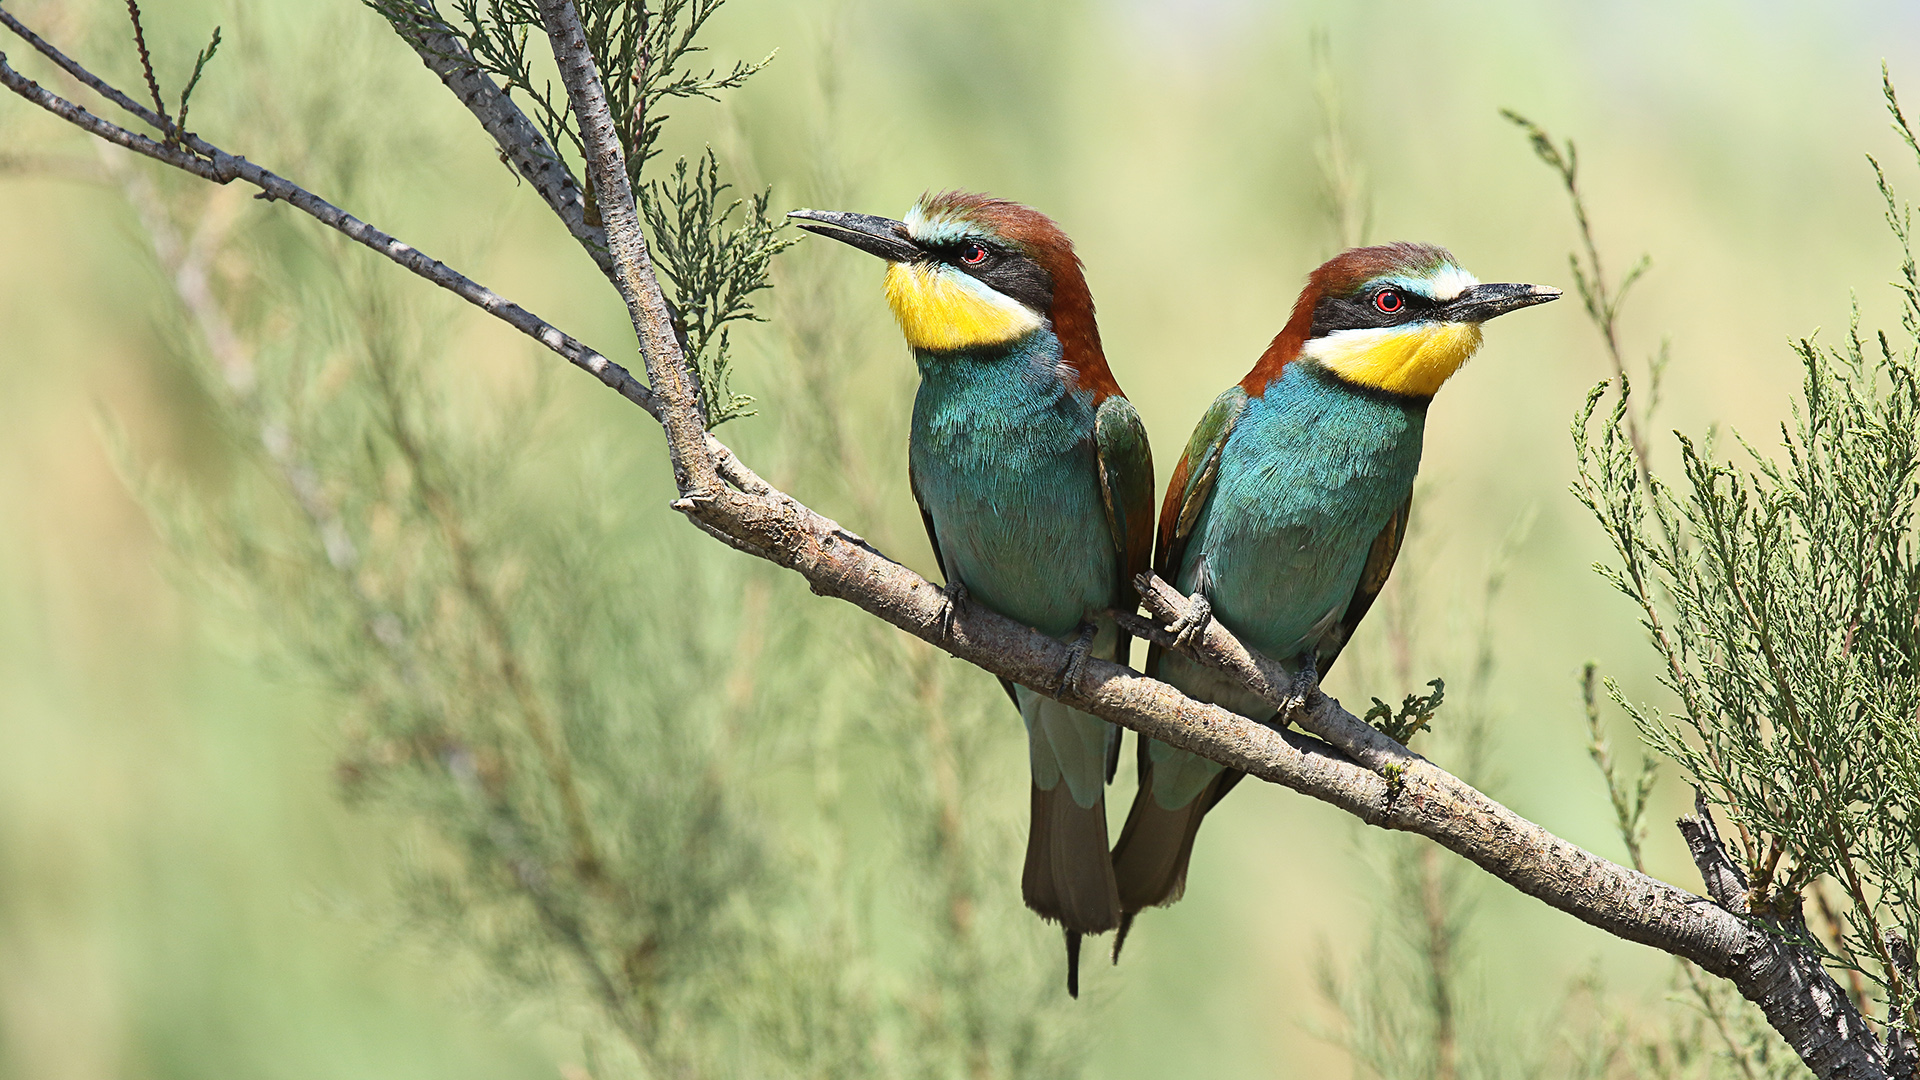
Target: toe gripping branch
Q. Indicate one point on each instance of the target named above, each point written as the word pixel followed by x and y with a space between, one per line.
pixel 1300 694
pixel 956 594
pixel 1076 665
pixel 1188 628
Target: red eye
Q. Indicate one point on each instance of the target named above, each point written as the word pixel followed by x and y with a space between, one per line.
pixel 1389 301
pixel 973 254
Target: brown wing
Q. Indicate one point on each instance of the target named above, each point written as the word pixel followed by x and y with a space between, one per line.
pixel 1192 481
pixel 1373 578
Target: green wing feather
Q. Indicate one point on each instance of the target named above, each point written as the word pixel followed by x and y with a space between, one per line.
pixel 1373 578
pixel 1193 478
pixel 1126 490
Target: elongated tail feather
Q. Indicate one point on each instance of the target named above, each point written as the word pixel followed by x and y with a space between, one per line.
pixel 1068 877
pixel 1156 844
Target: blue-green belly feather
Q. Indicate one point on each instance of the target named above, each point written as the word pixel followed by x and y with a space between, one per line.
pixel 1003 459
pixel 1310 474
pixel 1308 478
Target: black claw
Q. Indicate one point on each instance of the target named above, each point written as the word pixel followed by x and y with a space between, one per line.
pixel 1120 938
pixel 1073 963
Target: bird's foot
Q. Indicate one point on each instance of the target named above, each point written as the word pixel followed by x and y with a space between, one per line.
pixel 956 594
pixel 1076 665
pixel 1186 629
pixel 1306 683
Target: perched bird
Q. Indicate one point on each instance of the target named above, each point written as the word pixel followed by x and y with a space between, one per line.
pixel 1285 514
pixel 1035 481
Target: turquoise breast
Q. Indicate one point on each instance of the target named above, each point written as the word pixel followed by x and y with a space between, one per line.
pixel 1002 455
pixel 1310 474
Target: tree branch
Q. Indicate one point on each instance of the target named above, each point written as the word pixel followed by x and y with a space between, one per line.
pixel 519 139
pixel 197 156
pixel 667 369
pixel 1357 769
pixel 1787 980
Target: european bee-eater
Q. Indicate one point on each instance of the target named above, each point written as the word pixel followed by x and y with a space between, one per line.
pixel 1035 481
pixel 1285 514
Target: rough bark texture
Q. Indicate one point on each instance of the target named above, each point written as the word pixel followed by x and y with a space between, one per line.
pixel 1788 982
pixel 1355 768
pixel 667 370
pixel 520 141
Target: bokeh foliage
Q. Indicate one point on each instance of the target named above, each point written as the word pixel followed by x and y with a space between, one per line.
pixel 162 833
pixel 1780 591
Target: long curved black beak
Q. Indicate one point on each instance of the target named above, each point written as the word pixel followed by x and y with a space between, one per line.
pixel 880 236
pixel 1483 302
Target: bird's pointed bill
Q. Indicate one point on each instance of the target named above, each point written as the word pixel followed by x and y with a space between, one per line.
pixel 870 233
pixel 1483 302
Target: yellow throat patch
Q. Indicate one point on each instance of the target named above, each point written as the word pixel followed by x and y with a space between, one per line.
pixel 942 309
pixel 1411 360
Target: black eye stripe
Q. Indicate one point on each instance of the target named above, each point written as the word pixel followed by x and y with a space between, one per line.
pixel 1006 271
pixel 1360 311
pixel 957 251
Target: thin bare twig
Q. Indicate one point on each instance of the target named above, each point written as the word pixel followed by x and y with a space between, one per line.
pixel 1362 772
pixel 197 156
pixel 146 68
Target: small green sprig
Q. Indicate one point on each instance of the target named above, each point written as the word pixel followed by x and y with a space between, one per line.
pixel 1415 713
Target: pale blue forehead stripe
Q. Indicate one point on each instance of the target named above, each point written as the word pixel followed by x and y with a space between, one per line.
pixel 943 230
pixel 943 227
pixel 1422 285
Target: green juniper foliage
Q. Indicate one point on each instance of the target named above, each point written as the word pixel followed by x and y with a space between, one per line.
pixel 1415 712
pixel 644 792
pixel 1709 1030
pixel 714 269
pixel 714 254
pixel 1780 594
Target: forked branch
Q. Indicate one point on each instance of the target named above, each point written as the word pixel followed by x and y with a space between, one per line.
pixel 1349 765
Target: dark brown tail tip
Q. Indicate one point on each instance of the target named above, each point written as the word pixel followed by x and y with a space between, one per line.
pixel 1073 964
pixel 1120 938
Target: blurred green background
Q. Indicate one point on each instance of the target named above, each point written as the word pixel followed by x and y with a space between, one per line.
pixel 182 893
